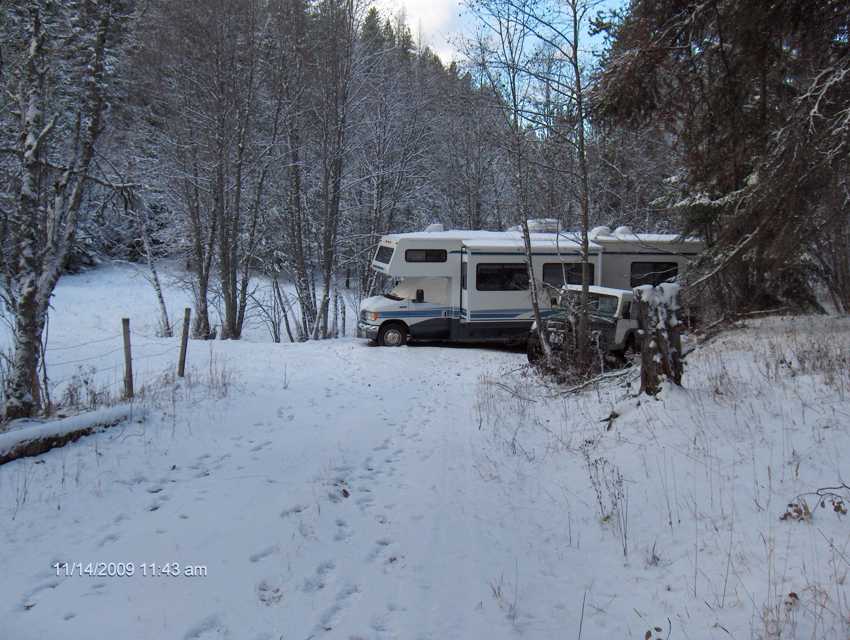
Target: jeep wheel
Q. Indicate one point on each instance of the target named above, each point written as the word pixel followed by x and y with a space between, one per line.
pixel 393 335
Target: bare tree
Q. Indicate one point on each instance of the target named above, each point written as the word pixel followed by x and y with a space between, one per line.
pixel 539 45
pixel 204 63
pixel 287 79
pixel 335 72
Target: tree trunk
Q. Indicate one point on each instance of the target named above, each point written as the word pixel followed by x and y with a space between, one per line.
pixel 584 314
pixel 660 334
pixel 201 324
pixel 22 397
pixel 165 324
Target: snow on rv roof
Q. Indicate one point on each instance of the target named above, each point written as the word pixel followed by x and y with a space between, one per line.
pixel 598 234
pixel 495 239
pixel 566 241
pixel 454 234
pixel 539 242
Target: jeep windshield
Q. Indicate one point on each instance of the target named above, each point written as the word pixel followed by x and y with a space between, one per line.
pixel 599 304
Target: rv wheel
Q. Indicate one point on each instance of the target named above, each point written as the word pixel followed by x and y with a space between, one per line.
pixel 393 335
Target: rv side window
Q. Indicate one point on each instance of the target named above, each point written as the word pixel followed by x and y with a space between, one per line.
pixel 425 255
pixel 553 273
pixel 464 267
pixel 502 277
pixel 653 273
pixel 384 254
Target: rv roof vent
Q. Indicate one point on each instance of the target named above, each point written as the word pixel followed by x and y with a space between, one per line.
pixel 623 232
pixel 599 231
pixel 433 228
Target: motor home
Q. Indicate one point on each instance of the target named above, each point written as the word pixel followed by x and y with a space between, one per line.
pixel 474 285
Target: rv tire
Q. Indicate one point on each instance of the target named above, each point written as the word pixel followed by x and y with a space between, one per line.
pixel 393 335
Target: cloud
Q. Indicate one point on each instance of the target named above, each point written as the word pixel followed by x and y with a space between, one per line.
pixel 437 22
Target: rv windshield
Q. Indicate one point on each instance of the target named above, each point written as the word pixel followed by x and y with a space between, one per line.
pixel 435 290
pixel 401 291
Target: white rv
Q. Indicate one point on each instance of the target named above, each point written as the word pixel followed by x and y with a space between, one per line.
pixel 473 285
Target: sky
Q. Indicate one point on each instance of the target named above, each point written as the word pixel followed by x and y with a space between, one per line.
pixel 441 24
pixel 437 22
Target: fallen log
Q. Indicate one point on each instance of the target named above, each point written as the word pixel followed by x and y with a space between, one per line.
pixel 34 438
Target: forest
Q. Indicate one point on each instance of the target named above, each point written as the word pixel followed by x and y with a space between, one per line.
pixel 266 145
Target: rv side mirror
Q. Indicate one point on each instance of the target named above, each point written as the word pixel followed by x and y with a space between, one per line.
pixel 420 295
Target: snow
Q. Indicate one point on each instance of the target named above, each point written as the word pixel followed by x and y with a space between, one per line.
pixel 539 241
pixel 600 240
pixel 337 490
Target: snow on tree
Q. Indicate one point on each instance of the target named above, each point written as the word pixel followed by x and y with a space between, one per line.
pixel 58 72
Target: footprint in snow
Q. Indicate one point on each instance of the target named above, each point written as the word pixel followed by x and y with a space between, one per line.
pixel 291 511
pixel 268 594
pixel 28 601
pixel 107 539
pixel 339 491
pixel 328 618
pixel 263 553
pixel 208 628
pixel 380 546
pixel 365 502
pixel 317 581
pixel 343 531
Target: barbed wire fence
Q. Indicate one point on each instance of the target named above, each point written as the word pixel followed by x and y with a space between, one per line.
pixel 124 362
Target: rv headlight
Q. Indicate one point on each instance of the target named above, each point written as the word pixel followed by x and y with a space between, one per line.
pixel 373 316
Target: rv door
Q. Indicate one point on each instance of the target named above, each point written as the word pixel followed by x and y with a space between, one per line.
pixel 464 286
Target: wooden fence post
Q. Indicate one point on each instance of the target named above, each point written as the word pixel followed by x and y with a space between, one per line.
pixel 184 343
pixel 128 359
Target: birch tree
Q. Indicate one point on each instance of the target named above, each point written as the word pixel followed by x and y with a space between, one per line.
pixel 52 154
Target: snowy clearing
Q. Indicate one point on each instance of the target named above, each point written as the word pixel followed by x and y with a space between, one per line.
pixel 337 490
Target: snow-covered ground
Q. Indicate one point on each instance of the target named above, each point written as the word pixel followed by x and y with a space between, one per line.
pixel 336 490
